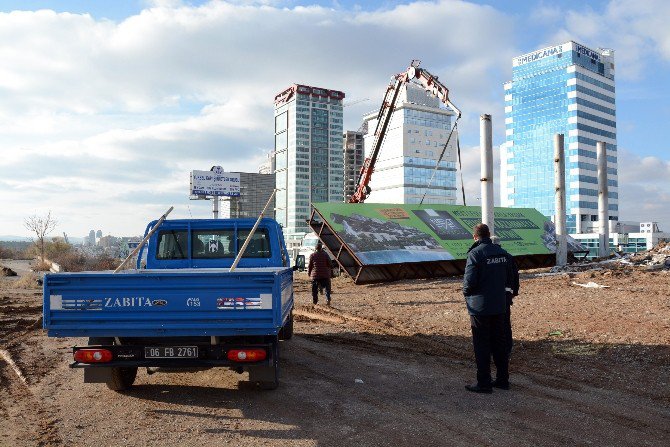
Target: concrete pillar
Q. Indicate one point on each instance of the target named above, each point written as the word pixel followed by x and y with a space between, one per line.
pixel 486 148
pixel 578 224
pixel 559 201
pixel 603 201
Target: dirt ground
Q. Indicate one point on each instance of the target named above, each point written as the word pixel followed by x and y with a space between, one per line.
pixel 385 366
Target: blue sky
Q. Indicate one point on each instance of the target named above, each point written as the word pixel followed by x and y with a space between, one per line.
pixel 106 106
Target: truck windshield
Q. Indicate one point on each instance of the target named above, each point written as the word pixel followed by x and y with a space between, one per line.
pixel 172 244
pixel 208 244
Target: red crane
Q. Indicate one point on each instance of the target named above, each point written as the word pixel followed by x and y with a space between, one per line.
pixel 425 79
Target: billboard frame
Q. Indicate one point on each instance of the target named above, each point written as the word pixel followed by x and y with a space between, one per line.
pixel 378 273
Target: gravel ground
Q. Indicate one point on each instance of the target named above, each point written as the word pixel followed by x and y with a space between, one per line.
pixel 385 366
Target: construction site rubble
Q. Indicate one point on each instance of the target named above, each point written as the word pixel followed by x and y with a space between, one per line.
pixel 657 258
pixel 590 285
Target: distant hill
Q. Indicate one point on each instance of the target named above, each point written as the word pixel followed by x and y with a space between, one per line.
pixel 15 245
pixel 14 239
pixel 73 240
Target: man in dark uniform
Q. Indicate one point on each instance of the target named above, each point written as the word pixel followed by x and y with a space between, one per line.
pixel 488 272
pixel 511 291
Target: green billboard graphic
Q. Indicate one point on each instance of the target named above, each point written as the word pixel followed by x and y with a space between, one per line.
pixel 395 233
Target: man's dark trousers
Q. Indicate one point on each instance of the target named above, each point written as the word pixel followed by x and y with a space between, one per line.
pixel 508 332
pixel 488 338
pixel 320 282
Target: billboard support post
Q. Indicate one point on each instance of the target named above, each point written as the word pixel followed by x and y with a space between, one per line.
pixel 215 207
pixel 486 148
pixel 603 201
pixel 559 200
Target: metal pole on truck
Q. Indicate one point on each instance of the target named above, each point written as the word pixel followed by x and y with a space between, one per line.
pixel 251 233
pixel 559 200
pixel 603 201
pixel 144 241
pixel 486 148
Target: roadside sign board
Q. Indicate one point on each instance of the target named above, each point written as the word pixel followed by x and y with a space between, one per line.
pixel 215 183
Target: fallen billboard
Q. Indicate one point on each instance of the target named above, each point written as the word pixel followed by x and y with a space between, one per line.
pixel 376 242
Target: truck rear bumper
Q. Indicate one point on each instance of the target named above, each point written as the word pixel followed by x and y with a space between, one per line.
pixel 133 356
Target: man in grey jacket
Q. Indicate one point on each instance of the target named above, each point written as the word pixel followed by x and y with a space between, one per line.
pixel 488 271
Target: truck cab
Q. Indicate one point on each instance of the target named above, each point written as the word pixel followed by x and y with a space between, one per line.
pixel 186 309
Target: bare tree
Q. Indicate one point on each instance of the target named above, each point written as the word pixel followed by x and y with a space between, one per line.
pixel 40 226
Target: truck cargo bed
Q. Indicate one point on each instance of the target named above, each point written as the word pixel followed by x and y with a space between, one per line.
pixel 168 302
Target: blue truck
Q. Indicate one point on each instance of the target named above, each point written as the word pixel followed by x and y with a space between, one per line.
pixel 184 310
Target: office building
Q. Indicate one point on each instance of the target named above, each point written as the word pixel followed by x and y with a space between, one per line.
pixel 268 165
pixel 308 154
pixel 566 89
pixel 255 190
pixel 417 133
pixel 353 161
pixel 625 237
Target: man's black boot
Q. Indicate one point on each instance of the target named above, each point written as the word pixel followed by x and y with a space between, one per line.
pixel 475 388
pixel 500 384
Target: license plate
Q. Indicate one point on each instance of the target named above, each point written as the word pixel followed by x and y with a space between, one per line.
pixel 171 352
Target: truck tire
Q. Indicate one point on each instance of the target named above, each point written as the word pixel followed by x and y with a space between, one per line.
pixel 122 378
pixel 267 378
pixel 286 332
pixel 103 341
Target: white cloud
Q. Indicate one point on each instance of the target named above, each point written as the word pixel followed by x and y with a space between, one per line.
pixel 644 188
pixel 638 31
pixel 102 121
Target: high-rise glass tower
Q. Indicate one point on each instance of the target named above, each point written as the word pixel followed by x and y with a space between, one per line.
pixel 308 154
pixel 566 89
pixel 418 130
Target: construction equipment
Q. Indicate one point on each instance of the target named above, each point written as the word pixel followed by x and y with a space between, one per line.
pixel 431 84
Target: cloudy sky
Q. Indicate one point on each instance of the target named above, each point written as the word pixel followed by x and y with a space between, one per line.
pixel 105 107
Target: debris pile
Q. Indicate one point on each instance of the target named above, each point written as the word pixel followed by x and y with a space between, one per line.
pixel 656 258
pixel 6 271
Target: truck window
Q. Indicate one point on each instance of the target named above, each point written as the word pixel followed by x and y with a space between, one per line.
pixel 172 245
pixel 213 244
pixel 259 246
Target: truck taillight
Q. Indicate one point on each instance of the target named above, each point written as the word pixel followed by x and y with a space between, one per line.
pixel 93 355
pixel 247 355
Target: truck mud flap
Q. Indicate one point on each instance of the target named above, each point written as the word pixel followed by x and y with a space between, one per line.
pixel 267 377
pixel 97 375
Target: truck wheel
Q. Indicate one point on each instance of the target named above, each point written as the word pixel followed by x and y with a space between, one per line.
pixel 271 384
pixel 122 378
pixel 103 341
pixel 267 378
pixel 286 332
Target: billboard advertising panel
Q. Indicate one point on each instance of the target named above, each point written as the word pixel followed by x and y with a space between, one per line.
pixel 211 183
pixel 399 233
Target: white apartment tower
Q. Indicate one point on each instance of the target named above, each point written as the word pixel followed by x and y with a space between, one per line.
pixel 415 138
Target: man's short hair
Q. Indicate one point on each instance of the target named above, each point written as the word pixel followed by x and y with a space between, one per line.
pixel 319 244
pixel 482 231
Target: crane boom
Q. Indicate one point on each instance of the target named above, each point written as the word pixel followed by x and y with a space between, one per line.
pixel 431 84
